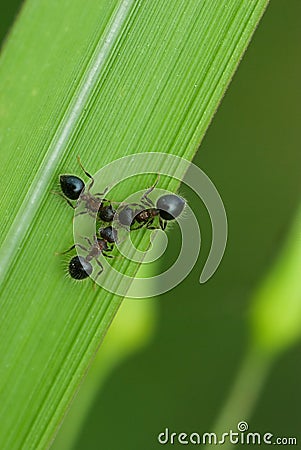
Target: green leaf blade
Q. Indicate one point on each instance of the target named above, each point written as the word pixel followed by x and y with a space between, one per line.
pixel 81 85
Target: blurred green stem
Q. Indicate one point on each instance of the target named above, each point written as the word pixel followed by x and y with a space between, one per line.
pixel 275 324
pixel 244 394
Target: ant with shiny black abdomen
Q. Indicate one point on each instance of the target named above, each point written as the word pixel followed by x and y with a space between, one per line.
pixel 168 207
pixel 80 266
pixel 73 188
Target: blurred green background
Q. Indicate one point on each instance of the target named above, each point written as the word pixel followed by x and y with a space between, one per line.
pixel 251 152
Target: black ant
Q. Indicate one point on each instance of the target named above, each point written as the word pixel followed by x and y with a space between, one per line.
pixel 80 266
pixel 167 208
pixel 73 188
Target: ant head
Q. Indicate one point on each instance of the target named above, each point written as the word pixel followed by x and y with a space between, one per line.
pixel 109 234
pixel 79 268
pixel 170 206
pixel 106 213
pixel 71 186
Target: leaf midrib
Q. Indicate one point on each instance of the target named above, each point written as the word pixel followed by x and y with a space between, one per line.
pixel 32 200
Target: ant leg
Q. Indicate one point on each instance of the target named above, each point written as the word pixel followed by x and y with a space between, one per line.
pixel 88 240
pixel 150 225
pixel 71 248
pixel 101 269
pixel 99 263
pixel 107 256
pixel 86 211
pixel 66 199
pixel 87 173
pixel 101 194
pixel 139 226
pixel 90 185
pixel 163 223
pixel 147 202
pixel 144 224
pixel 110 246
pixel 145 195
